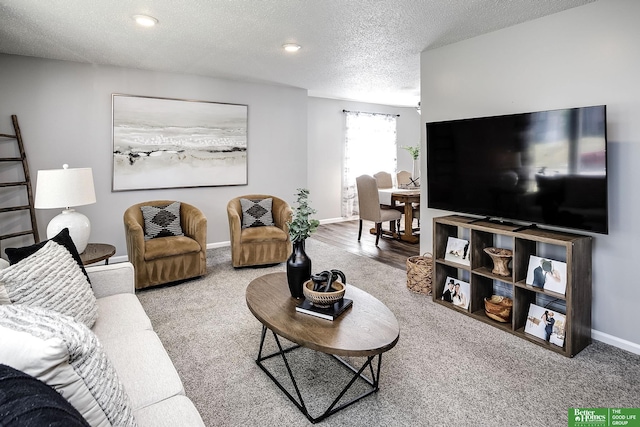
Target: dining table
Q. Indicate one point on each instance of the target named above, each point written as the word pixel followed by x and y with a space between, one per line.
pixel 394 197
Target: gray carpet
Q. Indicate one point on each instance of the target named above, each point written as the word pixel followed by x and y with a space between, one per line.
pixel 446 370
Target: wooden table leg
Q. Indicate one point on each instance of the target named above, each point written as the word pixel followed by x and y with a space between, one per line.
pixel 408 235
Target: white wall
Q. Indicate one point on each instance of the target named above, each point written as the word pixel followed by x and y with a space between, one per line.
pixel 64 111
pixel 583 56
pixel 326 138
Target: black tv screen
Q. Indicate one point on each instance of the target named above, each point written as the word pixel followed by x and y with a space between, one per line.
pixel 542 168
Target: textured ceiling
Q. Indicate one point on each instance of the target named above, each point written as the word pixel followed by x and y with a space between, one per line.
pixel 364 50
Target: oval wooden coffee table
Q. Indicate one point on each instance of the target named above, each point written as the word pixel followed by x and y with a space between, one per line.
pixel 367 329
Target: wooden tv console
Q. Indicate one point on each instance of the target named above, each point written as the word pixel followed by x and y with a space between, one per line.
pixel 573 249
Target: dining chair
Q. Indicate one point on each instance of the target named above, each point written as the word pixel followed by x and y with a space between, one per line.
pixel 383 179
pixel 370 208
pixel 403 178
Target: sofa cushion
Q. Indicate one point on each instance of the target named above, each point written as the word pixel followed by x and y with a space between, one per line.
pixel 50 278
pixel 263 234
pixel 162 221
pixel 144 367
pixel 175 411
pixel 120 314
pixel 169 246
pixel 26 401
pixel 256 212
pixel 67 356
pixel 62 238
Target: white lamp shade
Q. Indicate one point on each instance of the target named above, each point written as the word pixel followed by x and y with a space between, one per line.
pixel 63 188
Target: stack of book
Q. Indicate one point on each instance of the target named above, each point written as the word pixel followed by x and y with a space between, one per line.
pixel 329 313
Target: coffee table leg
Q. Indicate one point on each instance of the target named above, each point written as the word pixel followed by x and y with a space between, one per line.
pixel 332 409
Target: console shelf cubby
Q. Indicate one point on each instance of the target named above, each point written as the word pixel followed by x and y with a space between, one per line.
pixel 572 249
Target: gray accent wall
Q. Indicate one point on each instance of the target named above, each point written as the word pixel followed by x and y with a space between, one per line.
pixel 64 111
pixel 583 56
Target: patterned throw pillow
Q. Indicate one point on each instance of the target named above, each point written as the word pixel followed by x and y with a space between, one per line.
pixel 67 356
pixel 50 278
pixel 62 238
pixel 162 221
pixel 257 213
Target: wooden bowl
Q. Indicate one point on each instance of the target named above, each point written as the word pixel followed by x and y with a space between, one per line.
pixel 500 258
pixel 323 299
pixel 498 308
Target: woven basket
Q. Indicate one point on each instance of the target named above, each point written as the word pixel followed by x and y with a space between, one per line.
pixel 419 270
pixel 323 299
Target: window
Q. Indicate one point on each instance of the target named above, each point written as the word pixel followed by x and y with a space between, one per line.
pixel 370 147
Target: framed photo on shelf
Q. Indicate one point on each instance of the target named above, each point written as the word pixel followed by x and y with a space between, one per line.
pixel 546 324
pixel 548 274
pixel 457 251
pixel 456 292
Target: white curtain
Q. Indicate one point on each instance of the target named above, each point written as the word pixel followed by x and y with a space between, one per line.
pixel 370 147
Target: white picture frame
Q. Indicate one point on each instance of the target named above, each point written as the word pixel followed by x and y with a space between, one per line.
pixel 458 297
pixel 551 330
pixel 551 275
pixel 175 143
pixel 458 251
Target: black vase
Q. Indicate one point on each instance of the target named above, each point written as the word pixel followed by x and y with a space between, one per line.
pixel 298 269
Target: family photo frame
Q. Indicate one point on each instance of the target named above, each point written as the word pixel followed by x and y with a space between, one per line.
pixel 548 274
pixel 546 324
pixel 457 292
pixel 176 143
pixel 457 251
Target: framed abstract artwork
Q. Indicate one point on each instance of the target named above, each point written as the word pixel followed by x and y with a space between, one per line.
pixel 174 143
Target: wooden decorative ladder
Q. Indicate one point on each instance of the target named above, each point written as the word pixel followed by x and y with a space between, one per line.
pixel 26 184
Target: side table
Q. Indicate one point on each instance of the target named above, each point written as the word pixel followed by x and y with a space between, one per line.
pixel 96 252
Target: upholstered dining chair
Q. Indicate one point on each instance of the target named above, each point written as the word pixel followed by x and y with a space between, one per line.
pixel 254 240
pixel 384 179
pixel 403 178
pixel 370 208
pixel 165 243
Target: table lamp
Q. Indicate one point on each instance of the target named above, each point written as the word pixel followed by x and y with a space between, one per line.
pixel 66 188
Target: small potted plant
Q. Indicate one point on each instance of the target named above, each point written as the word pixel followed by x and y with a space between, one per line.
pixel 414 151
pixel 300 228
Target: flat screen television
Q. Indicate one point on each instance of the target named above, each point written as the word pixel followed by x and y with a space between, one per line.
pixel 541 168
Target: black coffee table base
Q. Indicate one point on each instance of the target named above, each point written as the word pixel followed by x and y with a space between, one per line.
pixel 334 407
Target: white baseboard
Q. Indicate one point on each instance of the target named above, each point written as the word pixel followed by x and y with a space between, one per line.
pixel 333 220
pixel 615 341
pixel 218 245
pixel 117 259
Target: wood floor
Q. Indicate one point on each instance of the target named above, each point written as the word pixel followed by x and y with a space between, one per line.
pixel 345 236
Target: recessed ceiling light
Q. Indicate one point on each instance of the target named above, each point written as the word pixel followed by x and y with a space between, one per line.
pixel 291 47
pixel 145 20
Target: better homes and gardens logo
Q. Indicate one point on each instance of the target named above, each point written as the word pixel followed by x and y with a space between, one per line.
pixel 604 417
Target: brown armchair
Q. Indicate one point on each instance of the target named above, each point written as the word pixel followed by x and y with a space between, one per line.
pixel 166 259
pixel 264 245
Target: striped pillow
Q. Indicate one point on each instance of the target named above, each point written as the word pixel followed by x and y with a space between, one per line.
pixel 50 278
pixel 67 356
